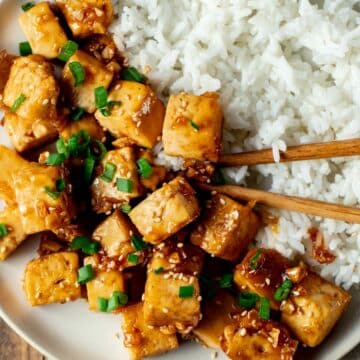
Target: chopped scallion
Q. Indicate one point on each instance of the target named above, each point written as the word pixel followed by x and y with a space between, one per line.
pixel 53 194
pixel 118 298
pixel 78 72
pixel 253 262
pixel 144 168
pixel 248 300
pixel 126 208
pixel 101 97
pixel 60 185
pixel 133 258
pixel 125 185
pixel 68 50
pixel 264 308
pixel 105 112
pixel 79 242
pixel 55 159
pixel 27 6
pixel 17 103
pixel 85 274
pixel 89 165
pixel 195 126
pixel 77 114
pixel 283 291
pixel 3 230
pixel 98 149
pixel 138 243
pixel 25 48
pixel 131 74
pixel 226 281
pixel 186 291
pixel 109 172
pixel 91 248
pixel 102 304
pixel 159 270
pixel 62 148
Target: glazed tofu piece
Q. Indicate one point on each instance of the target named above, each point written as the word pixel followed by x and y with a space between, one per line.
pixel 171 272
pixel 87 17
pixel 6 61
pixel 114 234
pixel 52 278
pixel 166 211
pixel 249 337
pixel 42 207
pixel 43 31
pixel 87 123
pixel 10 219
pixel 31 124
pixel 225 228
pixel 105 282
pixel 193 126
pixel 262 271
pixel 217 313
pixel 141 339
pixel 125 184
pixel 96 75
pixel 139 117
pixel 313 308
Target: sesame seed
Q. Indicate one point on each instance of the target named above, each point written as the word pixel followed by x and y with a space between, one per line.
pixel 242 332
pixel 267 281
pixel 165 310
pixel 45 102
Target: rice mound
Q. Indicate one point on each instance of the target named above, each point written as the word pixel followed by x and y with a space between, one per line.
pixel 288 73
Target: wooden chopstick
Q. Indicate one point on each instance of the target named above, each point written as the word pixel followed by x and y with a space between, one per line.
pixel 294 153
pixel 291 203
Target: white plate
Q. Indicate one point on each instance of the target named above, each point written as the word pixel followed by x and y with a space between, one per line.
pixel 70 331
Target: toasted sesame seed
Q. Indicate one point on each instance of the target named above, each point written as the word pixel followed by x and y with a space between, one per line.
pixel 165 310
pixel 242 332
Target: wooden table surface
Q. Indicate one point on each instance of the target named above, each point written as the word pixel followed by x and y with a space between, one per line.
pixel 12 347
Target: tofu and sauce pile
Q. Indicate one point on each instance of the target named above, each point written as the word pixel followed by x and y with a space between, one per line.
pixel 130 236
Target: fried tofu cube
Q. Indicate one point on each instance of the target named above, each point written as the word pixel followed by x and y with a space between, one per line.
pixel 166 211
pixel 41 209
pixel 262 272
pixel 87 17
pixel 249 337
pixel 216 315
pixel 142 340
pixel 43 31
pixel 96 75
pixel 104 283
pixel 10 218
pixel 6 61
pixel 225 228
pixel 52 278
pixel 31 124
pixel 87 123
pixel 171 270
pixel 107 193
pixel 193 126
pixel 114 235
pixel 139 117
pixel 313 308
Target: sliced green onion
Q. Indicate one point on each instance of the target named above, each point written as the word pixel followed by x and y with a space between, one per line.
pixel 55 159
pixel 68 50
pixel 27 6
pixel 61 147
pixel 144 168
pixel 17 103
pixel 53 194
pixel 283 291
pixel 91 248
pixel 133 258
pixel 3 230
pixel 98 149
pixel 226 281
pixel 113 103
pixel 109 172
pixel 186 291
pixel 117 299
pixel 85 274
pixel 102 304
pixel 195 126
pixel 25 48
pixel 101 97
pixel 126 208
pixel 131 74
pixel 77 114
pixel 79 242
pixel 125 185
pixel 264 308
pixel 248 300
pixel 78 72
pixel 253 262
pixel 159 270
pixel 105 112
pixel 60 185
pixel 138 243
pixel 89 165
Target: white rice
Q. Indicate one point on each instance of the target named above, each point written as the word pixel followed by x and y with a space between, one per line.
pixel 288 73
